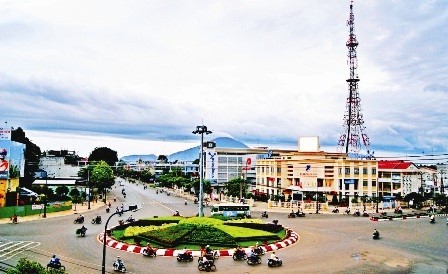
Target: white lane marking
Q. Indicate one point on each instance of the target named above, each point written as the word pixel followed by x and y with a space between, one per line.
pixel 13 248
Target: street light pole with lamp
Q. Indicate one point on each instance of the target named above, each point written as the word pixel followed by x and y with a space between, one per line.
pixel 46 197
pixel 103 264
pixel 201 130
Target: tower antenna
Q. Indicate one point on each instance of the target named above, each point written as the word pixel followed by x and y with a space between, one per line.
pixel 354 132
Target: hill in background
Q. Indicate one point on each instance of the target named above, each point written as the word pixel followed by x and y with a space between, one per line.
pixel 190 154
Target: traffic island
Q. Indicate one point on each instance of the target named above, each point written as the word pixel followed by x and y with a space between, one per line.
pixel 290 237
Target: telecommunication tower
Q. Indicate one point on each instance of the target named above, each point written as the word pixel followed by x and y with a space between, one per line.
pixel 354 129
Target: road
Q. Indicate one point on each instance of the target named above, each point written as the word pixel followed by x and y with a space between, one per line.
pixel 329 243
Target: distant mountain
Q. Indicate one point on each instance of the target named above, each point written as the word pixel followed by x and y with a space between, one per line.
pixel 192 154
pixel 136 158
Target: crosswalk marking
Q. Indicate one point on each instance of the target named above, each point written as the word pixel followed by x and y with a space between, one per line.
pixel 9 249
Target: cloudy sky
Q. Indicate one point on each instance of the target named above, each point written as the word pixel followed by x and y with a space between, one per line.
pixel 139 76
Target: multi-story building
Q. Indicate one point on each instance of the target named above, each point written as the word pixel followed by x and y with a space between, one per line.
pixel 324 173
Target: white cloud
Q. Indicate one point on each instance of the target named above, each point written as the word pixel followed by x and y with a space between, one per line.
pixel 258 70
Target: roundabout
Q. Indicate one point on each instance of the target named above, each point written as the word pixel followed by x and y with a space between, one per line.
pixel 170 252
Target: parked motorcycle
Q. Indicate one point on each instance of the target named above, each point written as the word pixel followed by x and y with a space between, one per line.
pixel 336 210
pixel 300 214
pixel 291 215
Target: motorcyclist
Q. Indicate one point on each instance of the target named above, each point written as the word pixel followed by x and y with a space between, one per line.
pixel 274 257
pixel 264 214
pixel 119 263
pixel 238 251
pixel 357 213
pixel 251 255
pixel 98 219
pixel 54 262
pixel 432 219
pixel 176 213
pixel 376 233
pixel 83 230
pixel 205 262
pixel 149 250
pixel 130 219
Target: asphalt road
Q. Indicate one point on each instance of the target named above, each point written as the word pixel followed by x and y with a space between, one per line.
pixel 329 243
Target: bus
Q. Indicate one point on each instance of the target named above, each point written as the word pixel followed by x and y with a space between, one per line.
pixel 231 210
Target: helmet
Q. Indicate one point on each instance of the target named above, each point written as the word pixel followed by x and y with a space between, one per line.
pixel 118 257
pixel 208 246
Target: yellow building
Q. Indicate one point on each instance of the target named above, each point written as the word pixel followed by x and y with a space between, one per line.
pixel 327 174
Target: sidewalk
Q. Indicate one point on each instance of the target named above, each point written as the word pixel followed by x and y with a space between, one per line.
pixel 79 209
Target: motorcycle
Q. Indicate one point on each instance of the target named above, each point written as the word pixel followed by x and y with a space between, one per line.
pixel 398 211
pixel 347 211
pixel 291 215
pixel 157 192
pixel 432 220
pixel 253 260
pixel 81 232
pixel 357 214
pixel 273 263
pixel 365 214
pixel 79 220
pixel 376 235
pixel 107 209
pixel 119 267
pixel 184 257
pixel 300 214
pixel 130 220
pixel 239 255
pixel 335 210
pixel 206 267
pixel 149 253
pixel 96 220
pixel 57 267
pixel 264 214
pixel 259 251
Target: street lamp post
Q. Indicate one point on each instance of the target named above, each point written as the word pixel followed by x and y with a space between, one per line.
pixel 45 204
pixel 103 265
pixel 201 130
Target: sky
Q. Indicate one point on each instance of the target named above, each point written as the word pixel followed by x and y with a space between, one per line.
pixel 139 76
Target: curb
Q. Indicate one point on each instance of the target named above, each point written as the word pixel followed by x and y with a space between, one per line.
pixel 294 237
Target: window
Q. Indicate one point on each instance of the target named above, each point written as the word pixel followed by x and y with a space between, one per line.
pixel 356 170
pixel 340 171
pixel 364 170
pixel 347 170
pixel 364 183
pixel 373 170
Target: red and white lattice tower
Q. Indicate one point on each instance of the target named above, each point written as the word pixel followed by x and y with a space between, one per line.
pixel 354 134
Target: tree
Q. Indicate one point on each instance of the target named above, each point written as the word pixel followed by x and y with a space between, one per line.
pixel 234 185
pixel 104 154
pixel 62 190
pixel 102 176
pixel 162 158
pixel 25 266
pixel 206 186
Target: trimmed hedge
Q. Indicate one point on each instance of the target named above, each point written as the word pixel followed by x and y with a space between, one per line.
pixel 265 227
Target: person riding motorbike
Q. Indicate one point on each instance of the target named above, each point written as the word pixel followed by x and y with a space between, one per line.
pixel 83 230
pixel 274 257
pixel 54 262
pixel 432 219
pixel 130 219
pixel 205 262
pixel 14 218
pixel 118 263
pixel 264 214
pixel 98 219
pixel 376 234
pixel 176 213
pixel 357 213
pixel 149 250
pixel 80 219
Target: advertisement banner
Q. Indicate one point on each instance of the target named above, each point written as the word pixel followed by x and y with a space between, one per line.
pixel 4 158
